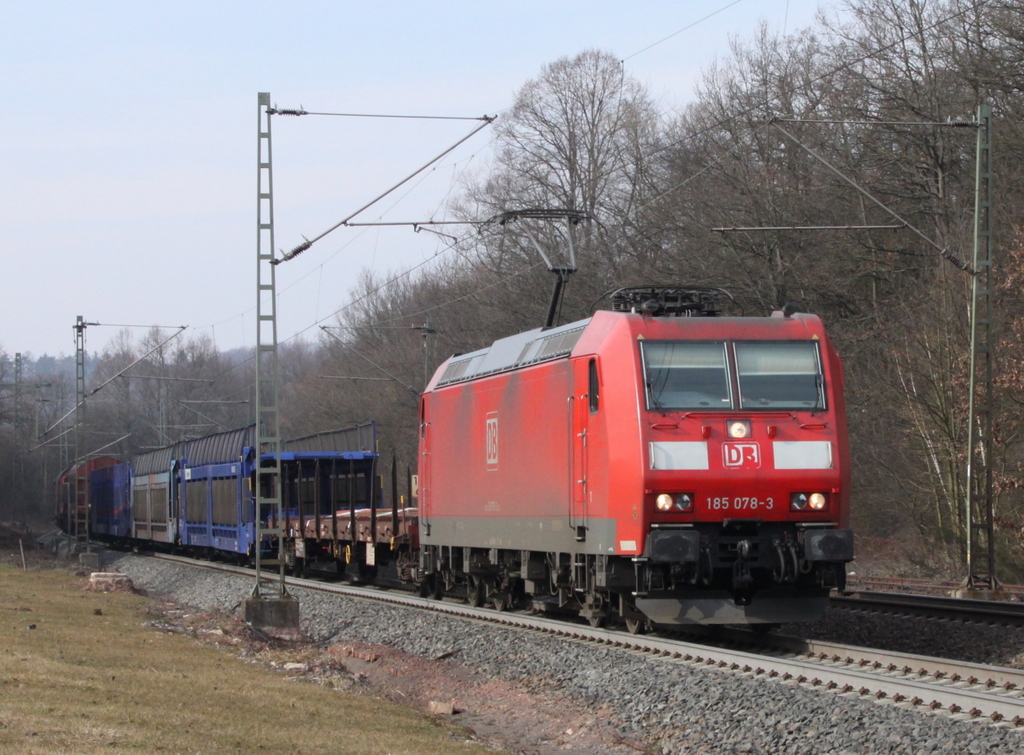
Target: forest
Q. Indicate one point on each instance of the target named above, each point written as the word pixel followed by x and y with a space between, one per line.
pixel 832 169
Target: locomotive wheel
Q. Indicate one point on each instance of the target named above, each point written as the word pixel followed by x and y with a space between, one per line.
pixel 596 607
pixel 476 591
pixel 438 588
pixel 431 587
pixel 636 626
pixel 502 601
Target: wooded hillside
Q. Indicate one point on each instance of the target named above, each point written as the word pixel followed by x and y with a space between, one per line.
pixel 863 122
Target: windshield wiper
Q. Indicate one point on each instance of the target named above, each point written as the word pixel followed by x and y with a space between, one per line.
pixel 654 398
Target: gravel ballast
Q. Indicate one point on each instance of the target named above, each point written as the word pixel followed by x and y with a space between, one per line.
pixel 674 707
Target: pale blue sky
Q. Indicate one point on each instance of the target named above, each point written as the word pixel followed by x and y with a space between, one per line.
pixel 128 140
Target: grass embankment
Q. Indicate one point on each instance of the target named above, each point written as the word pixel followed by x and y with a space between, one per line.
pixel 90 677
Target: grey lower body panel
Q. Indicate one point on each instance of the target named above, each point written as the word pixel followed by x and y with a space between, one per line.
pixel 554 534
pixel 771 606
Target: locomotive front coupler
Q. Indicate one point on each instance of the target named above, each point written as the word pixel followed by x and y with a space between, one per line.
pixel 742 579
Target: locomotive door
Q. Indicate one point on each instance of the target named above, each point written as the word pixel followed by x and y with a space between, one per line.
pixel 424 476
pixel 580 411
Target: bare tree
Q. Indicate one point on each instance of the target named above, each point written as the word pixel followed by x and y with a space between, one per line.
pixel 577 138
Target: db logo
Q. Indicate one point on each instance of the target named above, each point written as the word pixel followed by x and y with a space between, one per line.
pixel 741 455
pixel 492 440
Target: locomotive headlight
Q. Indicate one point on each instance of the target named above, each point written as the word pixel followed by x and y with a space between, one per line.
pixel 812 501
pixel 678 502
pixel 738 428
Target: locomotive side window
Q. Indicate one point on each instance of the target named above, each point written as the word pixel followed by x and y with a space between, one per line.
pixel 686 375
pixel 779 375
pixel 594 387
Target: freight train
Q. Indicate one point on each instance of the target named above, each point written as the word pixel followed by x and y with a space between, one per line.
pixel 199 496
pixel 657 464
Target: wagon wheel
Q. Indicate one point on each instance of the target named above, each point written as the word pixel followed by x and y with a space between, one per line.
pixel 367 574
pixel 476 591
pixel 425 588
pixel 342 567
pixel 598 621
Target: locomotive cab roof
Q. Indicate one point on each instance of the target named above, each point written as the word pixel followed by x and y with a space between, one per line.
pixel 544 344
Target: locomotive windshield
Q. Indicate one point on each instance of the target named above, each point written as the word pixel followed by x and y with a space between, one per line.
pixel 686 375
pixel 779 375
pixel 698 375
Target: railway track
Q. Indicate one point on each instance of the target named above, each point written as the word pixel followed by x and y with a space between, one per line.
pixel 1006 613
pixel 959 690
pixel 919 586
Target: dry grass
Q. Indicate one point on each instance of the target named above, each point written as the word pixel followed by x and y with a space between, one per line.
pixel 90 677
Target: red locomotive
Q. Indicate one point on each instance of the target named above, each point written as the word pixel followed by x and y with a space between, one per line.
pixel 654 462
